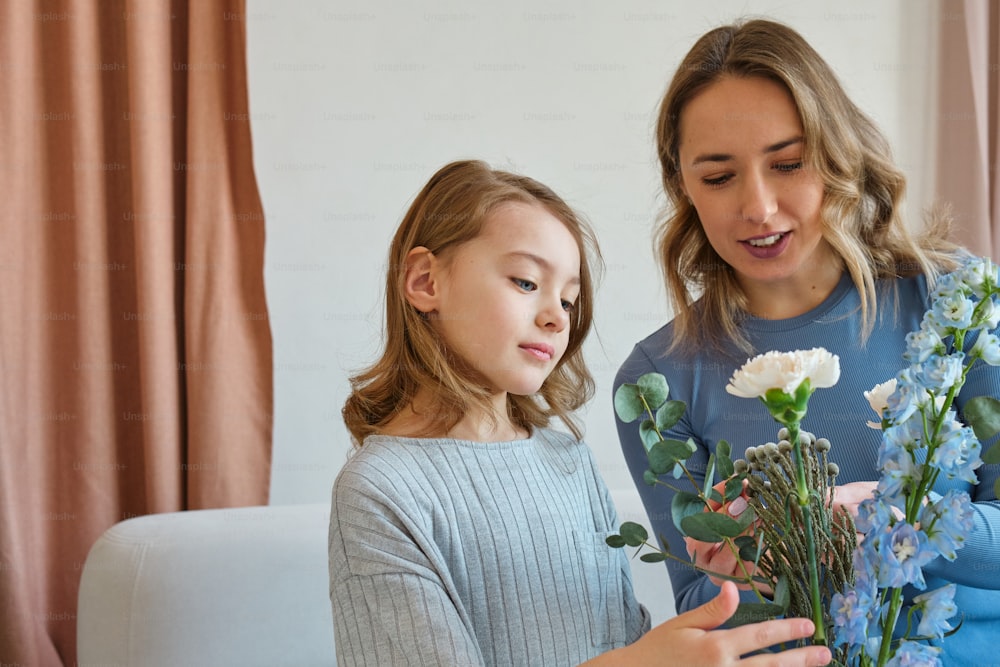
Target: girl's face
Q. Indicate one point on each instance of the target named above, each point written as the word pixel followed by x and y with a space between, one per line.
pixel 741 164
pixel 504 298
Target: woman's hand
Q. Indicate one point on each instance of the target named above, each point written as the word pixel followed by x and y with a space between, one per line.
pixel 718 557
pixel 691 639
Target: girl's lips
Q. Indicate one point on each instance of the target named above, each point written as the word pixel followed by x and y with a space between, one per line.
pixel 542 351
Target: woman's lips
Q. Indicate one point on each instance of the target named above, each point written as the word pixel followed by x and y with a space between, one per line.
pixel 767 251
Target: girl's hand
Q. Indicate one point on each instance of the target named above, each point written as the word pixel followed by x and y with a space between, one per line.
pixel 691 639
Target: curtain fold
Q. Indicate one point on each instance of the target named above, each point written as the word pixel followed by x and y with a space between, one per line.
pixel 135 347
pixel 968 179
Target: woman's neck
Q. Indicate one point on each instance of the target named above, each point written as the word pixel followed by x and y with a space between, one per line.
pixel 784 300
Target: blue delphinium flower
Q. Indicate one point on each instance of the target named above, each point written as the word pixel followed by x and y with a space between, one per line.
pixel 937 607
pixel 948 522
pixel 957 454
pixel 915 654
pixel 922 343
pixel 903 403
pixel 987 347
pixel 951 312
pixel 941 371
pixel 852 613
pixel 904 551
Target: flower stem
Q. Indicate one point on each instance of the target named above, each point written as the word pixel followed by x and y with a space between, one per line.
pixel 889 625
pixel 804 499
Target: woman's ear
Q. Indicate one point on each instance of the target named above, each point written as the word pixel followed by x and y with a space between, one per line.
pixel 420 279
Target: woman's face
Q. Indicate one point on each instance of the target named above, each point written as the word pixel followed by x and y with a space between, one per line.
pixel 741 152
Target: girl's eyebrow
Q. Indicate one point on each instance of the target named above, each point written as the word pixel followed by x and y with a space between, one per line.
pixel 725 157
pixel 540 261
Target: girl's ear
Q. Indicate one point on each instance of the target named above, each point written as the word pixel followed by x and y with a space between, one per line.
pixel 420 279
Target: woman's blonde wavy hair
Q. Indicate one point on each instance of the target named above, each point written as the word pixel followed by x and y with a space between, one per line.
pixel 449 211
pixel 860 213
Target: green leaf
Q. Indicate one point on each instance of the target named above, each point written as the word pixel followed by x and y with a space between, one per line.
pixel 782 596
pixel 749 548
pixel 754 612
pixel 734 487
pixel 996 488
pixel 710 527
pixel 650 436
pixel 653 557
pixel 615 541
pixel 710 478
pixel 649 477
pixel 628 405
pixel 669 414
pixel 983 415
pixel 724 459
pixel 663 455
pixel 685 504
pixel 746 518
pixel 654 387
pixel 992 455
pixel 633 534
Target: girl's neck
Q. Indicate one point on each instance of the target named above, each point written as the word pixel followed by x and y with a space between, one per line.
pixel 421 419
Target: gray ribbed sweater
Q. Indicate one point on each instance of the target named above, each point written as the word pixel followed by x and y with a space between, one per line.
pixel 448 552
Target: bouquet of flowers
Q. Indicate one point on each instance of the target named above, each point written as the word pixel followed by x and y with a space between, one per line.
pixel 805 555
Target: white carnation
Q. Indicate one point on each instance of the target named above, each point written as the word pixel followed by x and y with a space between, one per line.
pixel 785 371
pixel 878 398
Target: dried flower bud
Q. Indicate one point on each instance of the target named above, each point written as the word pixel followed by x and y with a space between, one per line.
pixel 783 433
pixel 784 447
pixel 750 454
pixel 832 469
pixel 770 450
pixel 822 445
pixel 741 467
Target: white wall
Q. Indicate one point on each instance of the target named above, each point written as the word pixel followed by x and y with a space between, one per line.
pixel 355 104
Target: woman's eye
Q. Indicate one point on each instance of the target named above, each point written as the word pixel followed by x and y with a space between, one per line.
pixel 568 306
pixel 717 180
pixel 526 285
pixel 789 166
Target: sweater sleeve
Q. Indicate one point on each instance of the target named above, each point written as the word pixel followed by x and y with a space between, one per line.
pixel 390 602
pixel 691 588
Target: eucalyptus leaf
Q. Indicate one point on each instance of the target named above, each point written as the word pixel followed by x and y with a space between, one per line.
pixel 710 527
pixel 724 459
pixel 653 387
pixel 649 477
pixel 615 541
pixel 633 534
pixel 746 518
pixel 734 487
pixel 983 414
pixel 754 612
pixel 749 548
pixel 628 404
pixel 685 504
pixel 782 595
pixel 650 436
pixel 669 414
pixel 996 488
pixel 663 455
pixel 709 477
pixel 992 455
pixel 653 557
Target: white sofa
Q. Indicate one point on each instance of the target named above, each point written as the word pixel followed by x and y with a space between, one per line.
pixel 246 586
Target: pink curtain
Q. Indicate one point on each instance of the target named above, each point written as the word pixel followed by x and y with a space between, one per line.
pixel 968 118
pixel 135 348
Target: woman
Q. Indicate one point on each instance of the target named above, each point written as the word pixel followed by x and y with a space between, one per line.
pixel 785 233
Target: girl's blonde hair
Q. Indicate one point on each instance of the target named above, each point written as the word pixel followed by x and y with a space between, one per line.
pixel 860 213
pixel 449 211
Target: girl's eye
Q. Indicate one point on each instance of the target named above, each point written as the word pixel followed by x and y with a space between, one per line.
pixel 526 285
pixel 789 166
pixel 718 180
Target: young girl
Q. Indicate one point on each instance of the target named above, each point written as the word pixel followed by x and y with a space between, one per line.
pixel 784 233
pixel 463 530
